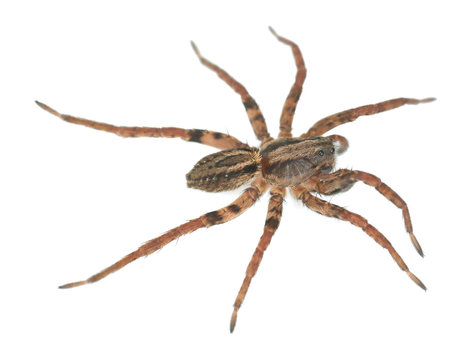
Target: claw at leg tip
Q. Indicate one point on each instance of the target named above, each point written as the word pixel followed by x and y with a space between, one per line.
pixel 233 321
pixel 47 108
pixel 74 284
pixel 195 49
pixel 417 281
pixel 40 104
pixel 416 244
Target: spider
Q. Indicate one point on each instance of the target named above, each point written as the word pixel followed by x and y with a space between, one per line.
pixel 304 165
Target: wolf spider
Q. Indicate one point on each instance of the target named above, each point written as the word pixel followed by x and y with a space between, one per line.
pixel 304 164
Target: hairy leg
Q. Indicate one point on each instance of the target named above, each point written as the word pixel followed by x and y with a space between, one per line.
pixel 236 208
pixel 325 208
pixel 272 223
pixel 206 137
pixel 342 117
pixel 290 104
pixel 344 179
pixel 252 109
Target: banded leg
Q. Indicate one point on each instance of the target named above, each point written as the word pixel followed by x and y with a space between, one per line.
pixel 206 137
pixel 252 109
pixel 342 117
pixel 327 209
pixel 272 223
pixel 236 208
pixel 290 104
pixel 344 179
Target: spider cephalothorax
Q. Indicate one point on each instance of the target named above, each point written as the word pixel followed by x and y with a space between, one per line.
pixel 303 164
pixel 290 161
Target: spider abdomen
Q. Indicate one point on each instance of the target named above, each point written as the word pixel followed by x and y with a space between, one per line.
pixel 291 161
pixel 224 170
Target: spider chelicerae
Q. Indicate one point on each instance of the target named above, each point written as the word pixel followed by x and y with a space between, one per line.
pixel 302 164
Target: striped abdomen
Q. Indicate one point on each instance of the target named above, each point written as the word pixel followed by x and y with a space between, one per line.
pixel 225 170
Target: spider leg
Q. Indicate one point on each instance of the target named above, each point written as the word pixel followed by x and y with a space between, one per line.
pixel 206 137
pixel 325 208
pixel 342 117
pixel 290 104
pixel 344 179
pixel 252 109
pixel 225 214
pixel 272 222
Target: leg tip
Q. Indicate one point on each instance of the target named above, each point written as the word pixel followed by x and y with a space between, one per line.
pixel 271 29
pixel 195 49
pixel 427 100
pixel 73 284
pixel 416 244
pixel 47 108
pixel 233 321
pixel 41 105
pixel 417 281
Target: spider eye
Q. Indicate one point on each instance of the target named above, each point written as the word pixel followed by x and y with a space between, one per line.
pixel 321 153
pixel 332 150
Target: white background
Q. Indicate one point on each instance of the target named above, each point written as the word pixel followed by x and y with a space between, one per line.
pixel 74 200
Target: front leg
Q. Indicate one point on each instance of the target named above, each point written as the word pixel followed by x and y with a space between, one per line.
pixel 343 117
pixel 327 209
pixel 343 179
